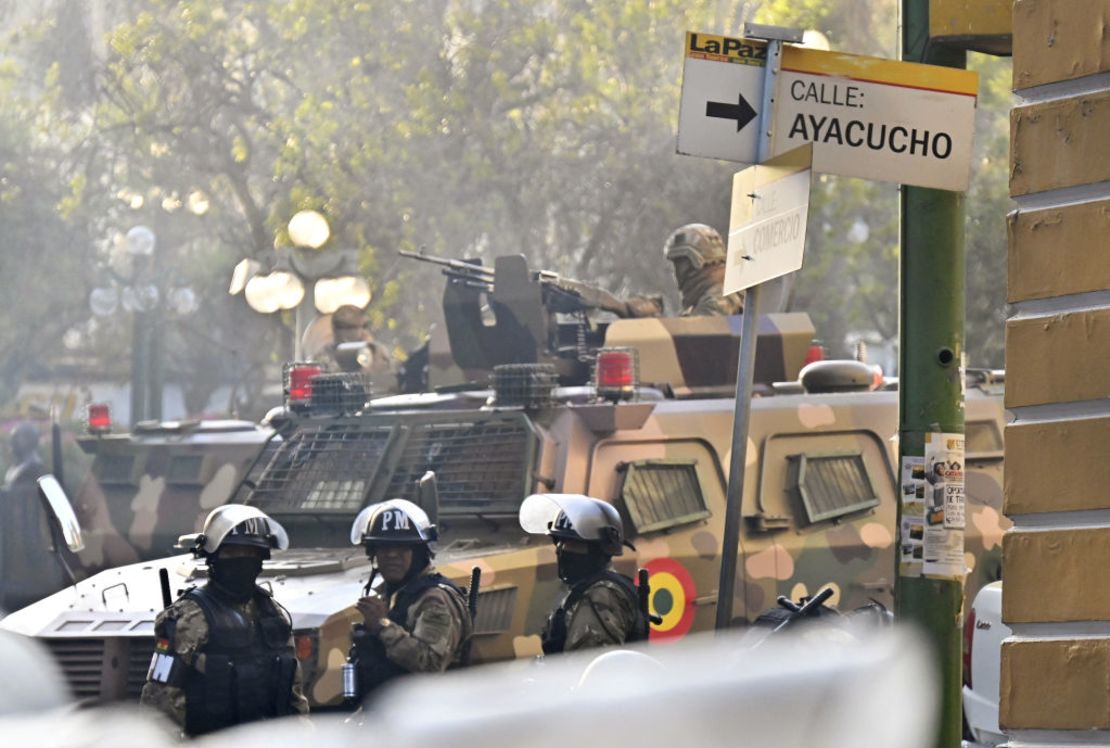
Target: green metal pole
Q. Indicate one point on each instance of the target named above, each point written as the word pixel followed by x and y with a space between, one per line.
pixel 931 330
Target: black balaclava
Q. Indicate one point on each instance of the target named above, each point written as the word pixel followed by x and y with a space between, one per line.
pixel 575 567
pixel 235 577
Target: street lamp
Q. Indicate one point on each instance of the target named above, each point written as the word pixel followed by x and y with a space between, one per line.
pixel 332 273
pixel 133 284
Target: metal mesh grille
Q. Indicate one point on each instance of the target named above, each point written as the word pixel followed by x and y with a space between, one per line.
pixel 324 468
pixel 524 385
pixel 495 611
pixel 663 493
pixel 834 485
pixel 340 393
pixel 479 465
pixel 82 662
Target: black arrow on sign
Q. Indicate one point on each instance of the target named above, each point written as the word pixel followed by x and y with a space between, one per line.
pixel 741 111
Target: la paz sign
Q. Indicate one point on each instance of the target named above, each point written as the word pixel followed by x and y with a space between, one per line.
pixel 866 116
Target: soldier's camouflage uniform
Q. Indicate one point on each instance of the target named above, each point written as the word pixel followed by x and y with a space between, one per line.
pixel 424 632
pixel 712 303
pixel 190 637
pixel 435 626
pixel 603 616
pixel 699 254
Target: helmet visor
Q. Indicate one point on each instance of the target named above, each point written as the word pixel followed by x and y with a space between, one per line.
pixel 223 521
pixel 582 516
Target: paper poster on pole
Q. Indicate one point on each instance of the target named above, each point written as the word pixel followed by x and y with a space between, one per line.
pixel 911 530
pixel 944 506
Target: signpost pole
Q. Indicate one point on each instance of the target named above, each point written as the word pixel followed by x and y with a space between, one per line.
pixel 930 372
pixel 744 376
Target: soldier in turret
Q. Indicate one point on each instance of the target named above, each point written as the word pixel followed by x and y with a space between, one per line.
pixel 602 607
pixel 698 254
pixel 350 325
pixel 224 652
pixel 421 624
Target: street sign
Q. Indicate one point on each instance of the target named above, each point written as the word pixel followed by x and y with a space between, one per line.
pixel 877 119
pixel 767 226
pixel 866 116
pixel 722 82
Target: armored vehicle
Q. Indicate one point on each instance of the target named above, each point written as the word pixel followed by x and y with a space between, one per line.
pixel 637 412
pixel 150 486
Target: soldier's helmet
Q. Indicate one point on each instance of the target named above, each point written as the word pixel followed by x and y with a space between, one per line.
pixel 698 243
pixel 236 524
pixel 574 517
pixel 393 521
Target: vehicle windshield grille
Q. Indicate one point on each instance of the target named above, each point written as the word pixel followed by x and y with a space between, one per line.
pixel 326 468
pixel 480 466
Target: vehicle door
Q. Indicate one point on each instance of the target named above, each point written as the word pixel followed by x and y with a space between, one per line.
pixel 671 497
pixel 825 515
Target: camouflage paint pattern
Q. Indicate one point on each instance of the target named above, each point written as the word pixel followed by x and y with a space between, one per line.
pixel 147 488
pixel 587 448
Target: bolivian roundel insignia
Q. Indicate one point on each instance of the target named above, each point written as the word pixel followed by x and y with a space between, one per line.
pixel 672 598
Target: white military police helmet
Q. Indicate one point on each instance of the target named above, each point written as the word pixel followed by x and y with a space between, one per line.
pixel 392 521
pixel 573 516
pixel 235 524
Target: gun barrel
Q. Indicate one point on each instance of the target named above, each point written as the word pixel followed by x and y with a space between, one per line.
pixel 473 281
pixel 468 268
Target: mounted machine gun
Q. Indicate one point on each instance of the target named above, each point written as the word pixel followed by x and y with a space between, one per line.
pixel 507 314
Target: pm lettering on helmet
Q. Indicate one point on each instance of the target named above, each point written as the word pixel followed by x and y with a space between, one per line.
pixel 398 519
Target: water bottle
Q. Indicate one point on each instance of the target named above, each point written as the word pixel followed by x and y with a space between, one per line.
pixel 350 681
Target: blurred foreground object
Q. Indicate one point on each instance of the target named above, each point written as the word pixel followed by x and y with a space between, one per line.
pixel 36 707
pixel 709 691
pixel 794 692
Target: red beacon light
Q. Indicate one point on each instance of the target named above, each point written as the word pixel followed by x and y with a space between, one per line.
pixel 98 418
pixel 298 390
pixel 816 352
pixel 616 374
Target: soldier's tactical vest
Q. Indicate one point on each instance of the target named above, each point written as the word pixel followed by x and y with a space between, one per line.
pixel 373 666
pixel 249 665
pixel 554 636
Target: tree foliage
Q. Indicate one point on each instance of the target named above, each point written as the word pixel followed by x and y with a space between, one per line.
pixel 470 129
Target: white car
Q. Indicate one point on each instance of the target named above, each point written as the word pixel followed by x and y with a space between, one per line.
pixel 983 635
